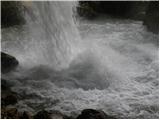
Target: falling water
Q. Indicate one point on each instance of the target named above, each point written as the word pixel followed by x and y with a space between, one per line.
pixel 53 34
pixel 109 64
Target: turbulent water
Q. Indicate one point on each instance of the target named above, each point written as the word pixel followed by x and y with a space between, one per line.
pixel 108 64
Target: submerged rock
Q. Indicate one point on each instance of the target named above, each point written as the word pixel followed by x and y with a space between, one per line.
pixel 13 113
pixel 93 114
pixel 25 115
pixel 43 115
pixel 8 62
pixel 50 115
pixel 10 100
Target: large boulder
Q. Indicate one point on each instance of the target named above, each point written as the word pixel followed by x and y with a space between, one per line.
pixel 93 114
pixel 8 62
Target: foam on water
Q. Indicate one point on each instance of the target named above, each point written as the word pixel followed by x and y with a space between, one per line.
pixel 117 72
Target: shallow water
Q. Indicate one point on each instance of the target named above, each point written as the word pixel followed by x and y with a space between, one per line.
pixel 116 71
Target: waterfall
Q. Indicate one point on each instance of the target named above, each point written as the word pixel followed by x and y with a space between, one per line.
pixel 54 33
pixel 107 63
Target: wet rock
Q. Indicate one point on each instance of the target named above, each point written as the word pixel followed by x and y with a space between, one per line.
pixel 9 113
pixel 8 62
pixel 25 115
pixel 50 115
pixel 13 113
pixel 12 13
pixel 123 9
pixel 43 115
pixel 4 85
pixel 93 114
pixel 10 100
pixel 86 10
pixel 59 115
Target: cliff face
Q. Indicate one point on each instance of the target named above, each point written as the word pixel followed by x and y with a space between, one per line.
pixel 11 13
pixel 122 9
pixel 151 19
pixel 146 11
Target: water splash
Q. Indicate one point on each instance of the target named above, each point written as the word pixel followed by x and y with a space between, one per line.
pixel 53 38
pixel 117 72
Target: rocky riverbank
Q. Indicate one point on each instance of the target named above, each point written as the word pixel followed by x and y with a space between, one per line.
pixel 9 99
pixel 8 111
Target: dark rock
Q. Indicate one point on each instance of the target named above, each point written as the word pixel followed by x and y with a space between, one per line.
pixel 93 114
pixel 43 115
pixel 13 113
pixel 151 19
pixel 50 115
pixel 12 13
pixel 9 113
pixel 86 9
pixel 5 85
pixel 2 102
pixel 10 100
pixel 25 115
pixel 8 62
pixel 59 115
pixel 121 9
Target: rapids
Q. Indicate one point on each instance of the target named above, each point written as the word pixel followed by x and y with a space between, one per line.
pixel 107 63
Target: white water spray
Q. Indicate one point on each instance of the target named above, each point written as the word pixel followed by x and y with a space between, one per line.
pixel 117 72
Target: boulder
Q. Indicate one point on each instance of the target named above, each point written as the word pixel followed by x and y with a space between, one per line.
pixel 93 114
pixel 8 62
